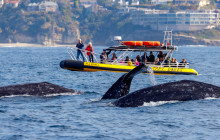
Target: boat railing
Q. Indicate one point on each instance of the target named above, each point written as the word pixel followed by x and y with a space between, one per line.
pixel 171 65
pixel 72 51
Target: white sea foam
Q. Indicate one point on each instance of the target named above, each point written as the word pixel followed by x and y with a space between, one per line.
pixel 22 45
pixel 95 100
pixel 193 46
pixel 159 103
pixel 210 98
pixel 11 96
pixel 62 94
pixel 206 74
pixel 152 76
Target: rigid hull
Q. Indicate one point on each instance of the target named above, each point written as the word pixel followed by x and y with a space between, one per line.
pixel 93 67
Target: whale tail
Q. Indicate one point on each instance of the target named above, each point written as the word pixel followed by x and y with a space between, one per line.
pixel 122 86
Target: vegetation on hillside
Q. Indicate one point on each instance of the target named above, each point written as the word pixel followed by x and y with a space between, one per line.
pixel 96 27
pixel 19 21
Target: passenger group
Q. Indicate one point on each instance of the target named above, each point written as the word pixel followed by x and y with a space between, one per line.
pixel 161 58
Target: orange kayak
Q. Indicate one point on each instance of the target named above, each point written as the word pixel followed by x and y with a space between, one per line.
pixel 132 43
pixel 141 43
pixel 151 43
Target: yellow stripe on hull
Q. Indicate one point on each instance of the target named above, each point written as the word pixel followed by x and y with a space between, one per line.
pixel 92 67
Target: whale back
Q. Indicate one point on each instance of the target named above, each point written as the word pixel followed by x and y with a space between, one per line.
pixel 36 89
pixel 184 90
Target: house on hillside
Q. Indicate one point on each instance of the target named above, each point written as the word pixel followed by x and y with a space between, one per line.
pixel 160 1
pixel 91 6
pixel 95 8
pixel 87 2
pixel 12 3
pixel 33 7
pixel 120 2
pixel 44 6
pixel 135 2
pixel 1 3
pixel 195 2
pixel 48 6
pixel 71 2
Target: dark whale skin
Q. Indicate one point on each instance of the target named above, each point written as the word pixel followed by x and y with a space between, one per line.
pixel 184 90
pixel 35 89
pixel 122 86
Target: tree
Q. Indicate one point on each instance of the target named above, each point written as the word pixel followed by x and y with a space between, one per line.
pixel 76 3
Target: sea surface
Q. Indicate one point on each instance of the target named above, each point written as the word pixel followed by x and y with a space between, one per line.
pixel 86 117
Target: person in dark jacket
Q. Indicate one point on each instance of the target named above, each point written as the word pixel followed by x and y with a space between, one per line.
pixel 161 56
pixel 104 55
pixel 183 63
pixel 79 46
pixel 138 58
pixel 151 57
pixel 144 57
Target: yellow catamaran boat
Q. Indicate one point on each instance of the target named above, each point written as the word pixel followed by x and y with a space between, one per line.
pixel 132 48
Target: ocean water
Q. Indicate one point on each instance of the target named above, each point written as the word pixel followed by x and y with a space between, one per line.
pixel 86 117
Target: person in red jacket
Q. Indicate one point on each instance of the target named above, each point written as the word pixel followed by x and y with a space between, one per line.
pixel 89 50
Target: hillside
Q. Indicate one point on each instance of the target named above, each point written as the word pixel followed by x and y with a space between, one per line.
pixel 18 25
pixel 69 23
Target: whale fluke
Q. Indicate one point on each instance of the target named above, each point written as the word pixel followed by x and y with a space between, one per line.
pixel 35 89
pixel 122 86
pixel 184 90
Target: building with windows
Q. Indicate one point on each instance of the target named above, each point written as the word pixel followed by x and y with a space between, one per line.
pixel 135 2
pixel 1 3
pixel 178 21
pixel 120 2
pixel 87 2
pixel 32 7
pixel 160 1
pixel 194 2
pixel 44 6
pixel 48 6
pixel 12 3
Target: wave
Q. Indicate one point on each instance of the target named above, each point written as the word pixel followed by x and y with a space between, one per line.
pixel 206 74
pixel 171 102
pixel 63 94
pixel 211 98
pixel 159 103
pixel 15 45
pixel 193 46
pixel 95 100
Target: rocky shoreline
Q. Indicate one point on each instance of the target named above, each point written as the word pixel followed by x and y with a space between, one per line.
pixel 178 40
pixel 33 45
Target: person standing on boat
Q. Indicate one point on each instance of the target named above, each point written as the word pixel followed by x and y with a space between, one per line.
pixel 89 50
pixel 79 46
